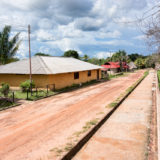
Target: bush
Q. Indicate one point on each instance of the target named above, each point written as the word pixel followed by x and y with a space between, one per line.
pixel 26 85
pixel 5 89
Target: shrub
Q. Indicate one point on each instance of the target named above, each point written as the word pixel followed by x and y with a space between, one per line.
pixel 5 89
pixel 26 85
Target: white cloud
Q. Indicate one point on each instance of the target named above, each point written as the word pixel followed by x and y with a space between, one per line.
pixel 23 51
pixel 72 24
pixel 140 37
pixel 101 55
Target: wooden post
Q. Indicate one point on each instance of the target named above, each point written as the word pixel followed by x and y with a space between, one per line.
pixel 36 92
pixel 47 89
pixel 27 94
pixel 13 97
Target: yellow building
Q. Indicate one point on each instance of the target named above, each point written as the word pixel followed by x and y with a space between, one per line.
pixel 58 71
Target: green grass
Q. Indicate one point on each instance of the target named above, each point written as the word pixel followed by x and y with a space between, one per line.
pixel 158 73
pixel 129 90
pixel 74 138
pixel 34 96
pixel 5 103
pixel 76 86
pixel 121 74
pixel 23 95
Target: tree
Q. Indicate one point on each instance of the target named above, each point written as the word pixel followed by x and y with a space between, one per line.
pixel 41 54
pixel 85 57
pixel 71 53
pixel 120 56
pixel 8 46
pixel 140 63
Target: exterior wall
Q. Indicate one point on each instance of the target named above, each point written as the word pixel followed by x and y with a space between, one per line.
pixel 113 71
pixel 60 80
pixel 63 80
pixel 16 79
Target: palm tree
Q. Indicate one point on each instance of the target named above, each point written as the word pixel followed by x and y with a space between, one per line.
pixel 85 57
pixel 8 46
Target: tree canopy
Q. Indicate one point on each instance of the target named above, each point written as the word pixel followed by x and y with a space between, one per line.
pixel 8 46
pixel 71 53
pixel 41 54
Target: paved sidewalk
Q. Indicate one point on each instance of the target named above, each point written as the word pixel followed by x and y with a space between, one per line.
pixel 124 135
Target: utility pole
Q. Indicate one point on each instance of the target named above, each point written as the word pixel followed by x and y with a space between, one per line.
pixel 30 65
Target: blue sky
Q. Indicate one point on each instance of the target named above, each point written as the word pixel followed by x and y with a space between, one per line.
pixel 93 27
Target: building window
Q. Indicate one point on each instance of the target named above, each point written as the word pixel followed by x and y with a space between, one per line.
pixel 76 75
pixel 89 73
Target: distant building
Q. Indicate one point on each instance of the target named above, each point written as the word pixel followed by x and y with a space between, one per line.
pixel 157 66
pixel 132 66
pixel 114 67
pixel 61 71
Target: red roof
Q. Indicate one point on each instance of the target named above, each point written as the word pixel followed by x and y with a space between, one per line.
pixel 114 65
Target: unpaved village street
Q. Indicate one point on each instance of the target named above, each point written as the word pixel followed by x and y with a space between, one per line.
pixel 30 131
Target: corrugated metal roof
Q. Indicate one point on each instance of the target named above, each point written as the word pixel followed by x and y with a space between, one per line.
pixel 47 65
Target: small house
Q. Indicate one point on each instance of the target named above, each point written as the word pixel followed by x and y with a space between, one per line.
pixel 132 66
pixel 60 71
pixel 114 67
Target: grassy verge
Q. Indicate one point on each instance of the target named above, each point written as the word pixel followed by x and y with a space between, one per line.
pixel 74 138
pixel 76 86
pixel 158 73
pixel 129 90
pixel 34 96
pixel 23 95
pixel 121 74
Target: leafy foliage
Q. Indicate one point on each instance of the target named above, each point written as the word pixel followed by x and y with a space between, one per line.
pixel 41 54
pixel 5 89
pixel 8 46
pixel 140 63
pixel 27 85
pixel 71 53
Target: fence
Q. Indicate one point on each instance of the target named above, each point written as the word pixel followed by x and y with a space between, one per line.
pixel 37 93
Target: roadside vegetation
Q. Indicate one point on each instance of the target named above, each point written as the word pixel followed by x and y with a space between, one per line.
pixel 74 138
pixel 158 73
pixel 129 90
pixel 8 46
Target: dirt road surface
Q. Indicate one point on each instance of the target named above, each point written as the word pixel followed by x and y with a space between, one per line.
pixel 124 136
pixel 30 131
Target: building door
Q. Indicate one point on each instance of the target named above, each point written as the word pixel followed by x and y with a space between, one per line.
pixel 97 74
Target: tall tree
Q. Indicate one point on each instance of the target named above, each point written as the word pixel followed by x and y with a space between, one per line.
pixel 86 57
pixel 8 46
pixel 120 56
pixel 71 53
pixel 42 54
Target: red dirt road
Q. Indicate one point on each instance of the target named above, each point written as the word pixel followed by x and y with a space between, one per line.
pixel 30 131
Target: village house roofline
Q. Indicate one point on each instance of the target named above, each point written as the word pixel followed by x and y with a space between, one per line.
pixel 48 65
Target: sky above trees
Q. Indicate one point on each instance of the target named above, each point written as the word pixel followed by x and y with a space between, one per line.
pixel 92 27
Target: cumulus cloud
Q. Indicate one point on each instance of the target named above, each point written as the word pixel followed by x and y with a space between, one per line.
pixel 101 55
pixel 71 24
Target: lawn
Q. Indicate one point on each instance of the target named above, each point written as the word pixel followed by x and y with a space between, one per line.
pixel 121 74
pixel 35 95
